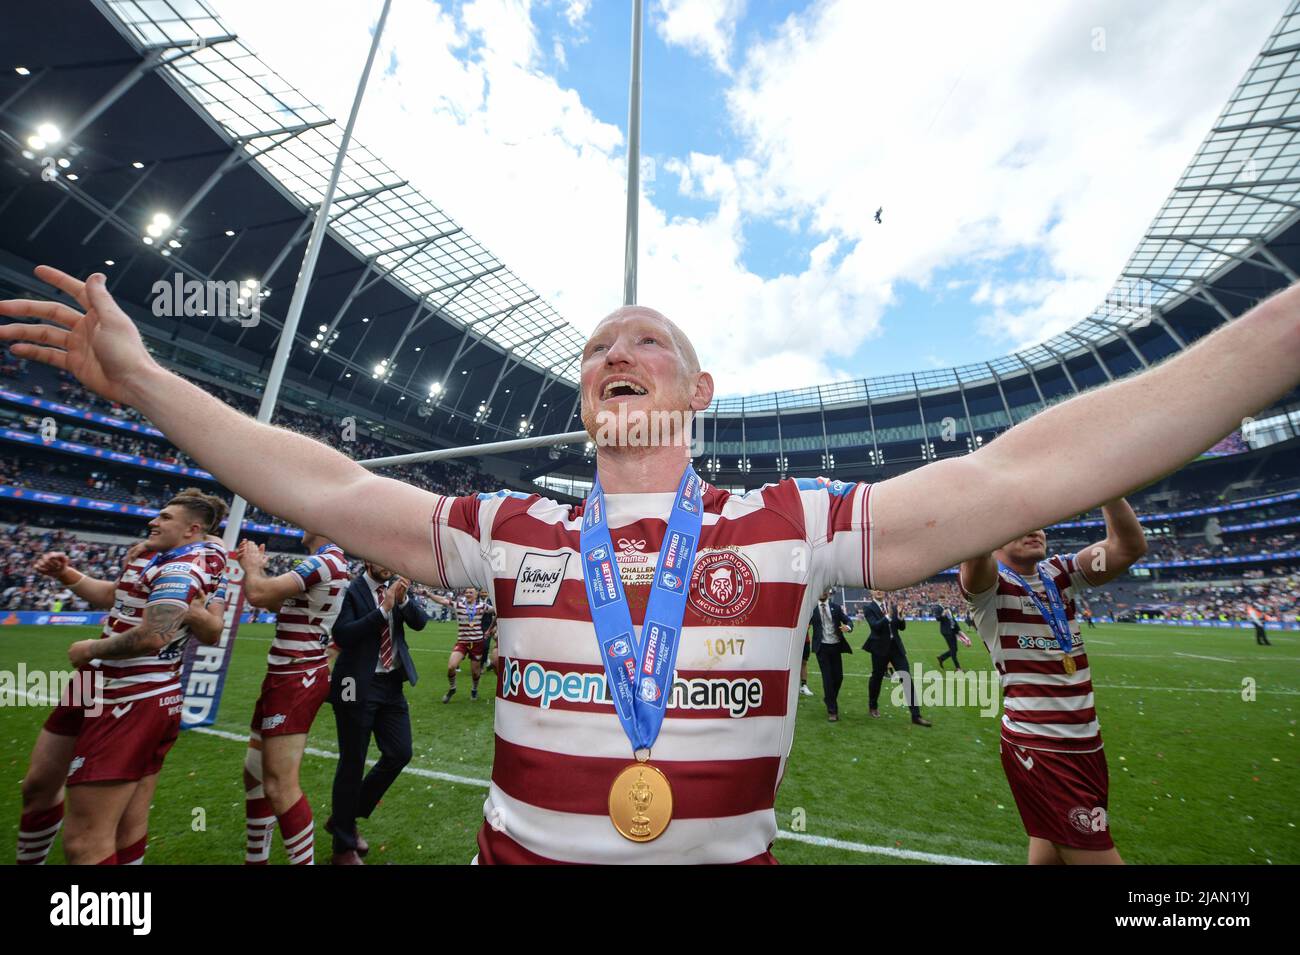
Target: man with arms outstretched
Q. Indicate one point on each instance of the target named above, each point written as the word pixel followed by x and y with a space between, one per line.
pixel 761 558
pixel 1024 606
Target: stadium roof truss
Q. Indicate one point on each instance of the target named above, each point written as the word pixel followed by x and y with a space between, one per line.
pixel 400 234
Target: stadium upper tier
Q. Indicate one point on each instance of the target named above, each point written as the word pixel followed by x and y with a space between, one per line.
pixel 67 453
pixel 178 151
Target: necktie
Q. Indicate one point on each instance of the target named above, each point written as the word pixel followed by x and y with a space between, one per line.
pixel 385 638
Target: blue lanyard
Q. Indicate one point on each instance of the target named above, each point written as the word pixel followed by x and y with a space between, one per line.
pixel 1054 613
pixel 171 555
pixel 640 672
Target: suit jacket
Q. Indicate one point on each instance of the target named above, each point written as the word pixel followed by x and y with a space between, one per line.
pixel 948 625
pixel 884 629
pixel 357 632
pixel 842 623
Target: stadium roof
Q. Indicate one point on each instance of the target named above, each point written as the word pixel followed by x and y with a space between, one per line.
pixel 161 108
pixel 398 230
pixel 160 111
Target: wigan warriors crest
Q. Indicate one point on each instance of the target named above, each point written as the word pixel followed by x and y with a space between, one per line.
pixel 724 585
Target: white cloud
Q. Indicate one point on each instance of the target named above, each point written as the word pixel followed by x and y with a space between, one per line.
pixel 982 136
pixel 988 136
pixel 704 27
pixel 575 11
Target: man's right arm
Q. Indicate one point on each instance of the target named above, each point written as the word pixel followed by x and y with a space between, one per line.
pixel 292 476
pixel 284 473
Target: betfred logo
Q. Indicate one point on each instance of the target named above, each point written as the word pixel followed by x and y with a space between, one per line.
pixel 724 585
pixel 651 649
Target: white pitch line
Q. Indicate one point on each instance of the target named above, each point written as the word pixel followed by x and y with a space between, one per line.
pixel 892 851
pixel 329 754
pixel 1197 656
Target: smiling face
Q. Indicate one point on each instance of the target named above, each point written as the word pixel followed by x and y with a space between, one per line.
pixel 1026 550
pixel 174 526
pixel 637 358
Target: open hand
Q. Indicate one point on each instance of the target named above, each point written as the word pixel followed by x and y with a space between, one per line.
pixel 251 556
pixel 100 347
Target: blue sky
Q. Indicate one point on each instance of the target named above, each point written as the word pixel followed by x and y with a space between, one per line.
pixel 1018 158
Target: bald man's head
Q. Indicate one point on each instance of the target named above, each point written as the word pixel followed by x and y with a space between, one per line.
pixel 638 362
pixel 690 361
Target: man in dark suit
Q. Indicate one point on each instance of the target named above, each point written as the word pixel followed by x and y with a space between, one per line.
pixel 366 693
pixel 829 624
pixel 886 647
pixel 948 629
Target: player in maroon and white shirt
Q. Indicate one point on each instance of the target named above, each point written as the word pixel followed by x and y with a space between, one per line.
pixel 125 736
pixel 52 754
pixel 471 639
pixel 306 600
pixel 763 557
pixel 1051 743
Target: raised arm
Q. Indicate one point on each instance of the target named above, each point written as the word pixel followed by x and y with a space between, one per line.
pixel 283 473
pixel 1125 544
pixel 100 594
pixel 261 590
pixel 1095 447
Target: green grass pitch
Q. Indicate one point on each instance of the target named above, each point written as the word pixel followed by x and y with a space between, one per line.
pixel 1198 775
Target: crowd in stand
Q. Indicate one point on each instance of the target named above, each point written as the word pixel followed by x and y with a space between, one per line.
pixel 1276 598
pixel 1234 545
pixel 1269 591
pixel 21 588
pixel 443 477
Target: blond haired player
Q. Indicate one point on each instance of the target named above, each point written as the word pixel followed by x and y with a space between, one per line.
pixel 1025 609
pixel 762 557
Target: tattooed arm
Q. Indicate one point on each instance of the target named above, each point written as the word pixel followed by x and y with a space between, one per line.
pixel 155 631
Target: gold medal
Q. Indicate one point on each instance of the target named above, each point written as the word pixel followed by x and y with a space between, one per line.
pixel 641 802
pixel 1069 664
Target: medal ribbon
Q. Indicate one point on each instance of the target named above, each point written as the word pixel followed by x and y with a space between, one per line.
pixel 639 672
pixel 1054 612
pixel 168 556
